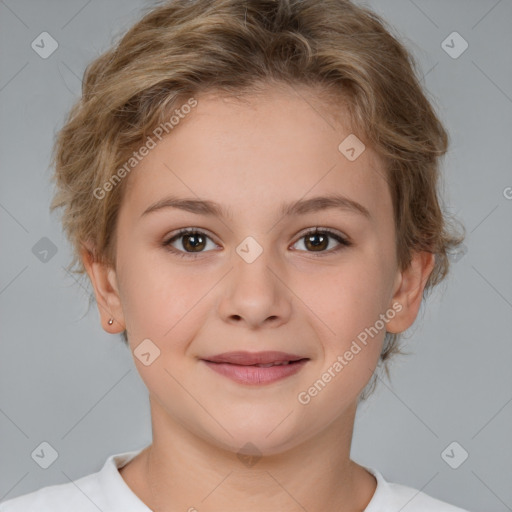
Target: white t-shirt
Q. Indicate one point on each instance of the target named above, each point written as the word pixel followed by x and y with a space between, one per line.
pixel 107 491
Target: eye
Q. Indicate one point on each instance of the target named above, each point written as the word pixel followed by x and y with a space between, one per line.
pixel 192 240
pixel 318 240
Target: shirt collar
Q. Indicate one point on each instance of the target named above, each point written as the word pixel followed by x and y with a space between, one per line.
pixel 116 491
pixel 121 498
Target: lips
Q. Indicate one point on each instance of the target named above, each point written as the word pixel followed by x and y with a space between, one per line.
pixel 262 359
pixel 256 368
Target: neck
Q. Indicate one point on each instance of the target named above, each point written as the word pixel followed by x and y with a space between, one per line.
pixel 181 471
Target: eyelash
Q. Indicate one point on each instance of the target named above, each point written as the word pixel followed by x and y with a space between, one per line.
pixel 317 230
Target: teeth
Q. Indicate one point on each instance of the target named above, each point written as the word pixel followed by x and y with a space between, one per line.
pixel 272 364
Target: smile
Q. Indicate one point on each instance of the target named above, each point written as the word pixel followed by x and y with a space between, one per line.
pixel 257 374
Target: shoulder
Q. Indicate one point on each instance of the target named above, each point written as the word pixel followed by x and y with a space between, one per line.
pixel 394 496
pixel 419 501
pixel 79 495
pixel 104 490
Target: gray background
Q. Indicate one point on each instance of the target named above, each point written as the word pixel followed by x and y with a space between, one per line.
pixel 65 381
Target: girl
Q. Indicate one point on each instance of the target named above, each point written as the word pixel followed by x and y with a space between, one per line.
pixel 251 188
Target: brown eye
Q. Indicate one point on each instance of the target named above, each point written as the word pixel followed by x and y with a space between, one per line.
pixel 194 242
pixel 318 241
pixel 188 242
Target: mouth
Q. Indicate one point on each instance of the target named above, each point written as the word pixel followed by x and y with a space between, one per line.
pixel 262 359
pixel 256 368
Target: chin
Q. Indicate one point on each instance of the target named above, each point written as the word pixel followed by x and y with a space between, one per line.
pixel 257 441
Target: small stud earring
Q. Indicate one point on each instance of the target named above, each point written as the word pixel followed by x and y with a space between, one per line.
pixel 111 321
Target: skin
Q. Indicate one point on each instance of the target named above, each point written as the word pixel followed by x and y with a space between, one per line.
pixel 251 157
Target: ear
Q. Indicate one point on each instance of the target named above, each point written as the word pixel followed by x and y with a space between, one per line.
pixel 408 292
pixel 104 281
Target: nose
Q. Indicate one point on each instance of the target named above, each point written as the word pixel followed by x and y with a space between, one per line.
pixel 255 294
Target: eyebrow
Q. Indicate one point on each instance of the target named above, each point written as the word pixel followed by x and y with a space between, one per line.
pixel 300 207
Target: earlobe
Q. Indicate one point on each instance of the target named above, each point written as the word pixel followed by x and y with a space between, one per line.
pixel 104 281
pixel 409 287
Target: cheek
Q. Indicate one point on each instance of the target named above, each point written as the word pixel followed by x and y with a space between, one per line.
pixel 347 319
pixel 347 303
pixel 151 296
pixel 163 301
pixel 351 294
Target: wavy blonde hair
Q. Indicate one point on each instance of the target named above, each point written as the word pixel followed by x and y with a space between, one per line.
pixel 180 48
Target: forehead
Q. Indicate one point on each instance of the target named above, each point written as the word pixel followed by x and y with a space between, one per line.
pixel 258 152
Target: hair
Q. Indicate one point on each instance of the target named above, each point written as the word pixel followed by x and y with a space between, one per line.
pixel 180 48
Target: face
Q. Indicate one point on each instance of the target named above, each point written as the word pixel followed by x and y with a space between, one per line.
pixel 251 277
